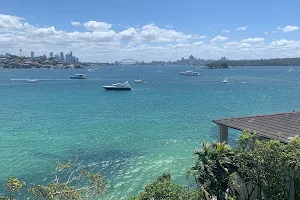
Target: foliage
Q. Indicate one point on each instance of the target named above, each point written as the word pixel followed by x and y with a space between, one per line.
pixel 164 189
pixel 217 65
pixel 213 168
pixel 266 168
pixel 60 188
pixel 96 186
pixel 268 165
pixel 257 62
pixel 247 140
pixel 54 191
pixel 12 186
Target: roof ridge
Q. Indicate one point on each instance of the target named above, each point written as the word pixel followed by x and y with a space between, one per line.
pixel 261 115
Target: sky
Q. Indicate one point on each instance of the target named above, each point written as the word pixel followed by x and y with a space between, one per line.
pixel 108 31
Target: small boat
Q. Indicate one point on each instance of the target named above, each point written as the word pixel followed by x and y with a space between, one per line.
pixel 31 81
pixel 118 86
pixel 138 80
pixel 189 73
pixel 291 69
pixel 225 81
pixel 78 76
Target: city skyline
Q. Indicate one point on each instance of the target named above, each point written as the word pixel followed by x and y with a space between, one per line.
pixel 152 31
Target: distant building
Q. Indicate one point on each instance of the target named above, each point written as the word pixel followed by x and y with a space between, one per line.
pixel 62 57
pixel 51 54
pixel 70 59
pixel 57 58
pixel 192 57
pixel 223 59
pixel 32 55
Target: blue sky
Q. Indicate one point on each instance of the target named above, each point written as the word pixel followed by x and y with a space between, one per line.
pixel 158 29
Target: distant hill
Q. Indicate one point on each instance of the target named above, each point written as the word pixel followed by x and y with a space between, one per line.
pixel 261 62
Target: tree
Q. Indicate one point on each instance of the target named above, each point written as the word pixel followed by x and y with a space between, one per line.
pixel 213 168
pixel 269 166
pixel 62 187
pixel 266 166
pixel 13 185
pixel 164 189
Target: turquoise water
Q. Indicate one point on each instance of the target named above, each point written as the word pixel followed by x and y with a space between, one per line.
pixel 130 137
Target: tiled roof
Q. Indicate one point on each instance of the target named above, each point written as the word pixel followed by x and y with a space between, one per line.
pixel 281 126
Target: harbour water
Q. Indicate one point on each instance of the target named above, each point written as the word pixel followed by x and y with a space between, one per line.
pixel 129 137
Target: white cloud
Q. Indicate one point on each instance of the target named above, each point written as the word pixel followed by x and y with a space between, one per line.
pixel 150 42
pixel 97 26
pixel 266 33
pixel 198 43
pixel 152 33
pixel 231 44
pixel 226 31
pixel 219 39
pixel 8 22
pixel 284 42
pixel 243 28
pixel 106 36
pixel 128 34
pixel 43 31
pixel 75 23
pixel 253 40
pixel 199 36
pixel 290 28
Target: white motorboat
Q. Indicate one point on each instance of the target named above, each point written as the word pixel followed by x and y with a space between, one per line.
pixel 225 81
pixel 291 69
pixel 118 86
pixel 78 76
pixel 31 81
pixel 189 73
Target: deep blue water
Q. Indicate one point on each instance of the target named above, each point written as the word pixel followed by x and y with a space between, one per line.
pixel 129 137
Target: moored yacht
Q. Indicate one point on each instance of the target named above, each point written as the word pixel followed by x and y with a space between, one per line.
pixel 118 86
pixel 139 81
pixel 190 73
pixel 78 76
pixel 31 81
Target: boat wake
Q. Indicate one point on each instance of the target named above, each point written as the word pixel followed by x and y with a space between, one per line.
pixel 24 79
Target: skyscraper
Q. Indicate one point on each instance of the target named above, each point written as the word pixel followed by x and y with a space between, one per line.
pixel 57 58
pixel 51 54
pixel 32 55
pixel 68 58
pixel 62 57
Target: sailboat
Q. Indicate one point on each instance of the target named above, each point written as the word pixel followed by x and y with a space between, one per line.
pixel 30 80
pixel 138 80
